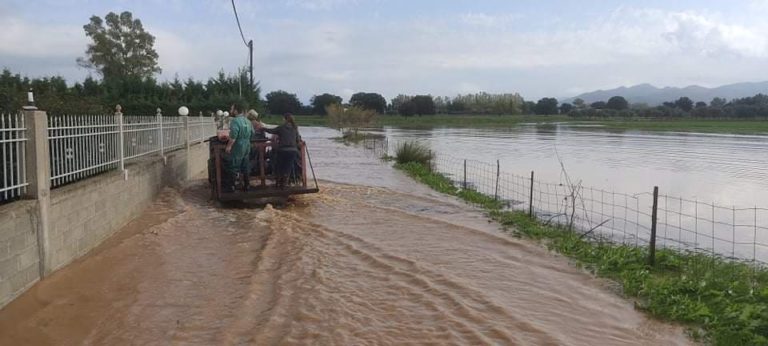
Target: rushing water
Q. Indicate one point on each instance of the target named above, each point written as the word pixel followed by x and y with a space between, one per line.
pixel 710 184
pixel 373 259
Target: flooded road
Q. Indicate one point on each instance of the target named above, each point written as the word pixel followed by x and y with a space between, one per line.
pixel 385 263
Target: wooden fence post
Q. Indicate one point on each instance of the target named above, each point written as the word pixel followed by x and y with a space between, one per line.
pixel 498 173
pixel 465 174
pixel 530 200
pixel 654 213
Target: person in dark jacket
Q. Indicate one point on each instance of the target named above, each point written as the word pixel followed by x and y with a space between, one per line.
pixel 287 150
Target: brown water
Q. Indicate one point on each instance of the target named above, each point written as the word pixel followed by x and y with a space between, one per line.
pixel 352 265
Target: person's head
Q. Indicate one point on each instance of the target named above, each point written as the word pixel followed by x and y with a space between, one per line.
pixel 253 115
pixel 237 108
pixel 288 117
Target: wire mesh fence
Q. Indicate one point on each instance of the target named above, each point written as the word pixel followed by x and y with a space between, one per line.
pixel 13 137
pixel 691 226
pixel 682 224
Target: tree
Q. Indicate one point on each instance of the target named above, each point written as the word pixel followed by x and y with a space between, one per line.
pixel 718 102
pixel 321 102
pixel 684 103
pixel 407 108
pixel 423 105
pixel 598 105
pixel 281 102
pixel 349 120
pixel 701 104
pixel 579 103
pixel 121 49
pixel 546 106
pixel 566 108
pixel 617 103
pixel 529 107
pixel 372 101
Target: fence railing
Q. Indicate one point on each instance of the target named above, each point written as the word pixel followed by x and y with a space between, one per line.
pixel 85 145
pixel 682 224
pixel 81 146
pixel 13 137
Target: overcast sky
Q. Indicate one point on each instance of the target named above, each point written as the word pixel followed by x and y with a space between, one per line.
pixel 438 47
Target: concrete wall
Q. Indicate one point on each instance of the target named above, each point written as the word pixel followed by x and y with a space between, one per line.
pixel 84 214
pixel 19 257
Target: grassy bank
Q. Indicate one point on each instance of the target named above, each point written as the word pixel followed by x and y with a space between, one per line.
pixel 722 302
pixel 506 121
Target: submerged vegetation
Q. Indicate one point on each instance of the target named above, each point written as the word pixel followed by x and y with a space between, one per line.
pixel 720 301
pixel 413 152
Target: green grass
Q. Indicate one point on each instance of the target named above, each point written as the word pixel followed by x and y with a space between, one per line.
pixel 507 121
pixel 415 152
pixel 721 302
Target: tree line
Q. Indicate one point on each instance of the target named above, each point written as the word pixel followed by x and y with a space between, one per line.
pixel 740 108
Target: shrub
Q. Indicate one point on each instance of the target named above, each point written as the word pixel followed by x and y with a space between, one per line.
pixel 349 120
pixel 413 152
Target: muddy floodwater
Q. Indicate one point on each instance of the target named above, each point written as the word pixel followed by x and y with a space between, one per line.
pixel 373 259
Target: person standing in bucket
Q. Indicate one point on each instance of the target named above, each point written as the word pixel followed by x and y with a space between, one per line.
pixel 287 151
pixel 239 146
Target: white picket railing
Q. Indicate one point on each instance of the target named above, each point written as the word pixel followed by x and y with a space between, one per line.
pixel 85 145
pixel 82 146
pixel 141 136
pixel 200 128
pixel 13 137
pixel 173 133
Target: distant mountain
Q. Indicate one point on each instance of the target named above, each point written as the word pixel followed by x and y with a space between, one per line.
pixel 646 93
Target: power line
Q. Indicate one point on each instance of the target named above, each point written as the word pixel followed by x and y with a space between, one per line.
pixel 238 23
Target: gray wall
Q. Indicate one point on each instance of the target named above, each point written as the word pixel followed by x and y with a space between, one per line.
pixel 84 214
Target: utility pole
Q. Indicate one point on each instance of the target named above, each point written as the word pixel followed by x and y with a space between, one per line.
pixel 250 59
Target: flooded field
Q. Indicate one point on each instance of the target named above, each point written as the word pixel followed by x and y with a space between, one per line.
pixel 711 186
pixel 373 259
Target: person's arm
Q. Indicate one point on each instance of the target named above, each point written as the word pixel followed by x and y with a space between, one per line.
pixel 273 131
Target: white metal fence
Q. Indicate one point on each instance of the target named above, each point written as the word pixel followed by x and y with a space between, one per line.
pixel 85 145
pixel 13 137
pixel 82 146
pixel 200 128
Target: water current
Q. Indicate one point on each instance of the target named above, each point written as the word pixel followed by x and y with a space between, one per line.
pixel 373 259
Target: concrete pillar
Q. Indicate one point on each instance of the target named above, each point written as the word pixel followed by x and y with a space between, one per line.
pixel 187 145
pixel 39 178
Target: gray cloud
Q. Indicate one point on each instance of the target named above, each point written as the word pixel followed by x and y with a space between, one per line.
pixel 442 56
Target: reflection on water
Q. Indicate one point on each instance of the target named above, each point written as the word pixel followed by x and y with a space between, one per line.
pixel 725 169
pixel 377 260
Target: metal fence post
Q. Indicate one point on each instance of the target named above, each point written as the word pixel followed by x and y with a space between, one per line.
pixel 159 117
pixel 530 198
pixel 121 140
pixel 652 252
pixel 465 174
pixel 498 173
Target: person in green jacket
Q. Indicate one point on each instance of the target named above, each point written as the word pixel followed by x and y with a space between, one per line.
pixel 239 146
